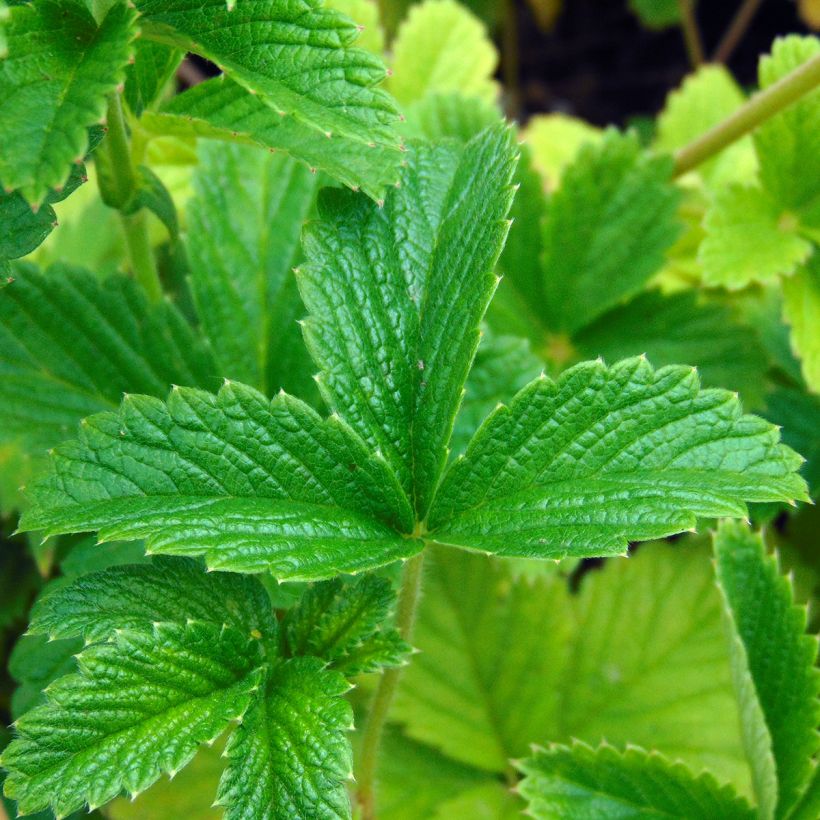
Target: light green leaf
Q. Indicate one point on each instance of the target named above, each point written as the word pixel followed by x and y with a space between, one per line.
pixel 137 708
pixel 298 60
pixel 222 109
pixel 54 82
pixel 148 76
pixel 342 623
pixel 395 296
pixel 248 484
pixel 788 144
pixel 801 309
pixel 492 801
pixel 244 222
pixel 171 590
pixel 290 757
pixel 680 328
pixel 70 345
pixel 581 782
pixel 441 46
pixel 606 231
pixel 774 669
pixel 448 114
pixel 555 140
pixel 604 456
pixel 749 238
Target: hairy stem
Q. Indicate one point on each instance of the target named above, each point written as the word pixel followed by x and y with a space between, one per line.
pixel 123 181
pixel 380 706
pixel 691 34
pixel 737 28
pixel 758 109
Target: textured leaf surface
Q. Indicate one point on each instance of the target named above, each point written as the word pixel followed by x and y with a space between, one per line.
pixel 290 756
pixel 137 708
pixel 801 309
pixel 53 85
pixel 248 484
pixel 788 145
pixel 440 47
pixel 678 328
pixel 147 77
pixel 298 59
pixel 773 664
pixel 365 13
pixel 395 296
pixel 581 782
pixel 638 656
pixel 606 230
pixel 344 623
pixel 748 238
pixel 171 590
pixel 244 222
pixel 448 114
pixel 70 345
pixel 603 456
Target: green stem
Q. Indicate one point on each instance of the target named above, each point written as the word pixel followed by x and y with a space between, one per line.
pixel 758 109
pixel 124 183
pixel 691 35
pixel 379 708
pixel 737 28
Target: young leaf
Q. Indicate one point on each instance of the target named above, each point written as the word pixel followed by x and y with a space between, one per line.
pixel 290 757
pixel 606 230
pixel 749 238
pixel 801 309
pixel 788 145
pixel 341 623
pixel 608 455
pixel 395 296
pixel 137 708
pixel 439 47
pixel 579 781
pixel 773 664
pixel 555 140
pixel 171 590
pixel 244 222
pixel 61 65
pixel 297 59
pixel 250 485
pixel 70 345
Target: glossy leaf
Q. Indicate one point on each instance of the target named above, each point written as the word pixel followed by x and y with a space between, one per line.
pixel 604 456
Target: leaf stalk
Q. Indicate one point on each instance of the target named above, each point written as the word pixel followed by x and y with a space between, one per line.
pixel 691 33
pixel 759 108
pixel 380 706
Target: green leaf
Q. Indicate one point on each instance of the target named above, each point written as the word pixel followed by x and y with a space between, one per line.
pixel 148 76
pixel 152 194
pixel 555 140
pixel 395 296
pixel 53 85
pixel 171 590
pixel 579 781
pixel 749 238
pixel 248 484
pixel 679 328
pixel 656 14
pixel 448 114
pixel 801 309
pixel 365 13
pixel 788 145
pixel 299 61
pixel 774 669
pixel 441 46
pixel 70 345
pixel 797 413
pixel 244 222
pixel 222 109
pixel 606 455
pixel 342 624
pixel 606 231
pixel 290 757
pixel 137 708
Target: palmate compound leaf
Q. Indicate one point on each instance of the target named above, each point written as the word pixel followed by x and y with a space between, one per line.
pixel 60 67
pixel 244 223
pixel 297 60
pixel 579 781
pixel 395 296
pixel 249 484
pixel 773 662
pixel 138 706
pixel 607 455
